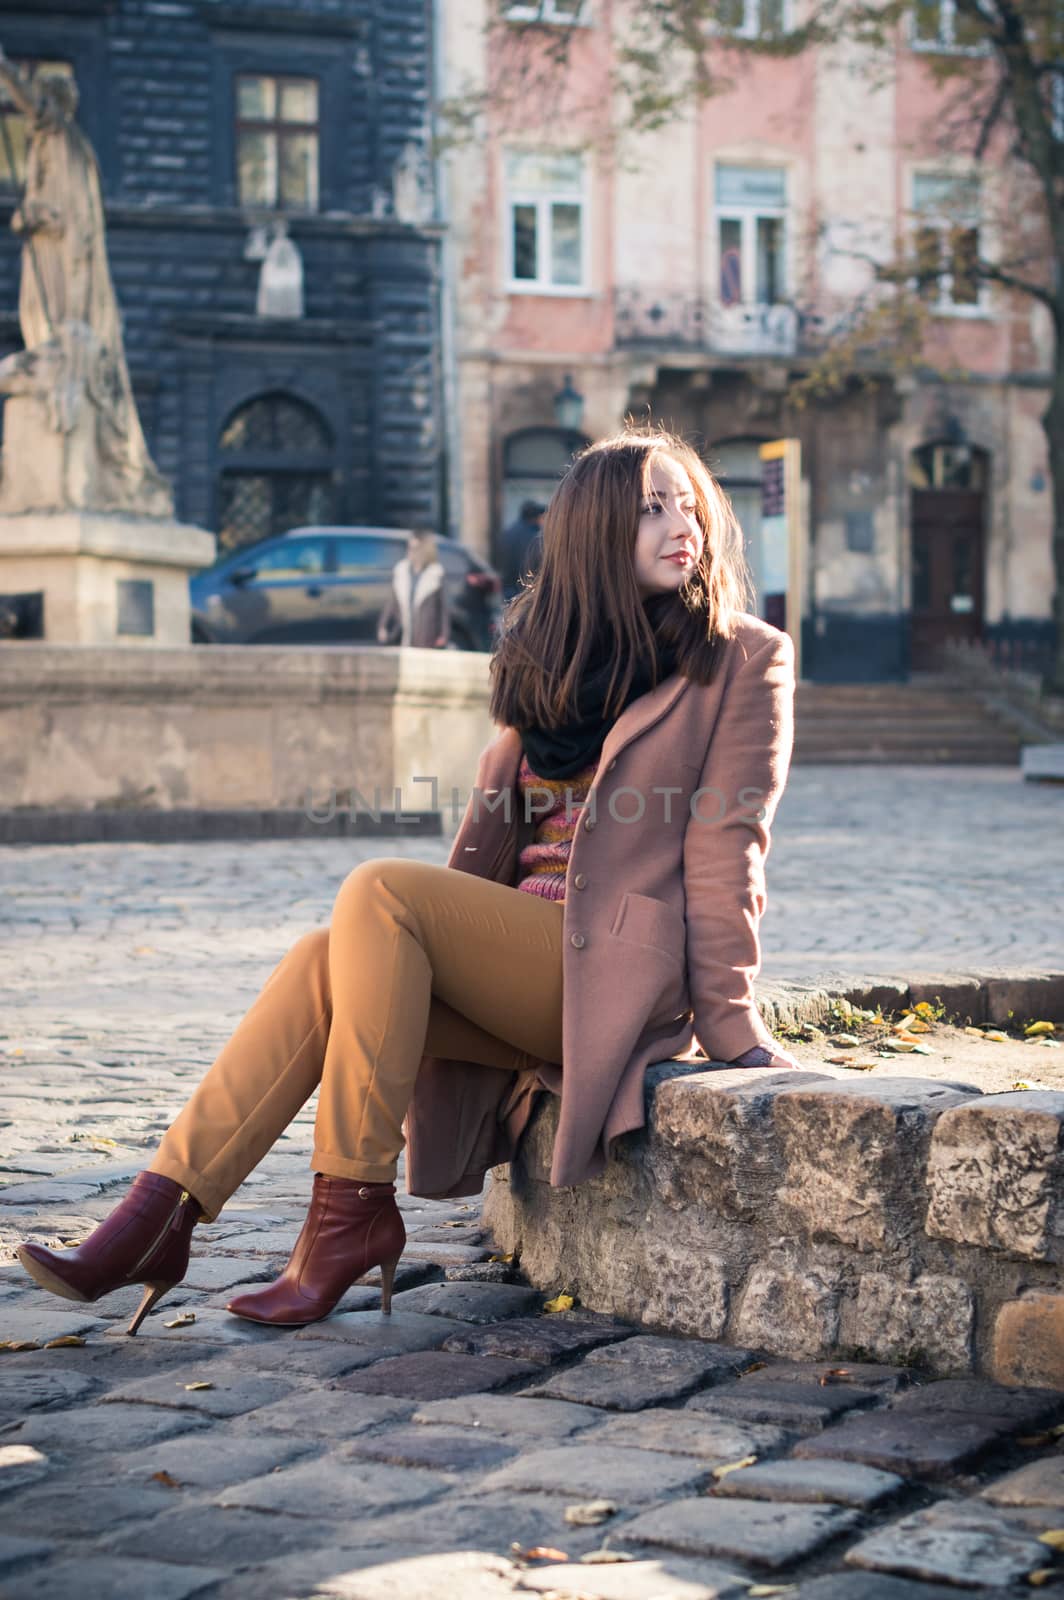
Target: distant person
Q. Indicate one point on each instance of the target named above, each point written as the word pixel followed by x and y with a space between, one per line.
pixel 417 613
pixel 521 547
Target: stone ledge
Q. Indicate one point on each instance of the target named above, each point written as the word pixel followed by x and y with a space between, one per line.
pixel 892 1220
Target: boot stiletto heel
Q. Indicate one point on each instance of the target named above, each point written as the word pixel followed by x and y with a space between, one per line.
pixel 387 1279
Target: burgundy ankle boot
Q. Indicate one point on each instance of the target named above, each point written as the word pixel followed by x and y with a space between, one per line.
pixel 350 1228
pixel 145 1240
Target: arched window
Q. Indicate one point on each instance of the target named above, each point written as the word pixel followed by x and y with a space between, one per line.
pixel 533 461
pixel 277 470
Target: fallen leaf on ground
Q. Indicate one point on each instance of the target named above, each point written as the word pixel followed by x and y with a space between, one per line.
pixel 604 1558
pixel 19 1344
pixel 182 1320
pixel 921 1049
pixel 502 1258
pixel 1034 1029
pixel 1023 1084
pixel 561 1302
pixel 755 1366
pixel 166 1479
pixel 905 1036
pixel 851 1062
pixel 733 1466
pixel 976 1033
pixel 834 1375
pixel 848 1040
pixel 144 950
pixel 536 1552
pixel 899 1046
pixel 194 1388
pixel 591 1513
pixel 1054 1538
pixel 763 1590
pixel 1040 1576
pixel 1049 1044
pixel 996 1036
pixel 69 1341
pixel 917 1025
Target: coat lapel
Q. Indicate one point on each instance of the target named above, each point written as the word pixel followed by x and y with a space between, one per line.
pixel 641 715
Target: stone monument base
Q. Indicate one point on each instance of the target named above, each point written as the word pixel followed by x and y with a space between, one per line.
pixel 106 578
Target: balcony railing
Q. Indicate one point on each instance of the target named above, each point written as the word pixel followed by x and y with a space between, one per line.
pixel 694 322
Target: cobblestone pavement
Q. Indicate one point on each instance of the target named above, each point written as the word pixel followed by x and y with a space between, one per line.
pixel 367 1457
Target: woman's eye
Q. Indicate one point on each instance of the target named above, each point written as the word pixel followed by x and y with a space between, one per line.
pixel 649 510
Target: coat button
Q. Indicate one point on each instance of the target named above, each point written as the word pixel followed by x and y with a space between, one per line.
pixel 589 823
pixel 611 766
pixel 580 882
pixel 578 941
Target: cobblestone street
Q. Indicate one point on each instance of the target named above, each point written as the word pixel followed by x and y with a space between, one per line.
pixel 408 1458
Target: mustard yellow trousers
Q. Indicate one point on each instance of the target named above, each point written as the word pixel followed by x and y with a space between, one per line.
pixel 417 959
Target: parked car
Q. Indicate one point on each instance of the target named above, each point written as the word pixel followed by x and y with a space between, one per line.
pixel 329 586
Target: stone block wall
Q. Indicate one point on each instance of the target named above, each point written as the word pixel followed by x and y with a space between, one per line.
pixel 900 1219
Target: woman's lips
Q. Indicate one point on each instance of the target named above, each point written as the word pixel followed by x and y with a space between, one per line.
pixel 682 558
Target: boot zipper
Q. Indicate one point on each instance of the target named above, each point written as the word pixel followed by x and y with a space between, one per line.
pixel 171 1222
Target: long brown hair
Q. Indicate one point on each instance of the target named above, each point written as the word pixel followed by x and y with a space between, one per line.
pixel 585 598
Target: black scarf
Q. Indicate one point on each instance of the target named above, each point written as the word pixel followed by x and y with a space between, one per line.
pixel 562 752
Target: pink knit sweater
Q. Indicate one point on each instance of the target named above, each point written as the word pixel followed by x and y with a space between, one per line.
pixel 544 862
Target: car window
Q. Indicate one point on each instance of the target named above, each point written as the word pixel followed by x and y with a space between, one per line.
pixel 455 561
pixel 368 553
pixel 290 558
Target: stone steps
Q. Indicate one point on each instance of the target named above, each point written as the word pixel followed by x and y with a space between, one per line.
pixel 924 722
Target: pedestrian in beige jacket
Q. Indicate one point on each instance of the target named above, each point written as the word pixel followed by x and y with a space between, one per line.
pixel 599 911
pixel 417 613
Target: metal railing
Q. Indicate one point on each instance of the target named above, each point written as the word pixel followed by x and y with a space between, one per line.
pixel 696 322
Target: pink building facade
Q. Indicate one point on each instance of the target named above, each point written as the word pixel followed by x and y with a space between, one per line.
pixel 693 275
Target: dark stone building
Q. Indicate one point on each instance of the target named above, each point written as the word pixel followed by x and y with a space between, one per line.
pixel 212 119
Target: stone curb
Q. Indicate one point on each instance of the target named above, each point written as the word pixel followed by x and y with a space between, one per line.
pixel 967 996
pixel 187 825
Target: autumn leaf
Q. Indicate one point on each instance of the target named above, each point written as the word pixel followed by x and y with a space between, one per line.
pixel 762 1591
pixel 917 1026
pixel 996 1036
pixel 166 1479
pixel 834 1375
pixel 537 1552
pixel 1054 1538
pixel 975 1033
pixel 69 1341
pixel 733 1466
pixel 899 1046
pixel 604 1558
pixel 561 1302
pixel 19 1344
pixel 194 1388
pixel 182 1320
pixel 1035 1029
pixel 591 1513
pixel 506 1259
pixel 1040 1576
pixel 848 1041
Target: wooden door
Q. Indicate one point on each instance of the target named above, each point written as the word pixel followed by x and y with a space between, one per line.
pixel 947 570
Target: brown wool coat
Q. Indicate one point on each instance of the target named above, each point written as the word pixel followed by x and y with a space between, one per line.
pixel 660 941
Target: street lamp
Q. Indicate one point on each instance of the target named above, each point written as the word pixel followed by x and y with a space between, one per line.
pixel 569 406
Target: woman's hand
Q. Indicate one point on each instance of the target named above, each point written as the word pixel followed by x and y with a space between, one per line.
pixel 760 1056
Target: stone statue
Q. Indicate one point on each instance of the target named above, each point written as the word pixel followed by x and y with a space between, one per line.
pixel 281 278
pixel 72 437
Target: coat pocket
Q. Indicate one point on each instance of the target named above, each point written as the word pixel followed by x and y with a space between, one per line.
pixel 643 920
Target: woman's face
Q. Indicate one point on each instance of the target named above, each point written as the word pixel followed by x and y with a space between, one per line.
pixel 669 542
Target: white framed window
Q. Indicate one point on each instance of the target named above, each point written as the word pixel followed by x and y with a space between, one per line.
pixel 568 13
pixel 755 19
pixel 946 243
pixel 939 25
pixel 751 223
pixel 546 222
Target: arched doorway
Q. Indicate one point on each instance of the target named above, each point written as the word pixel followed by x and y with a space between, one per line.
pixel 277 470
pixel 533 461
pixel 948 483
pixel 737 464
